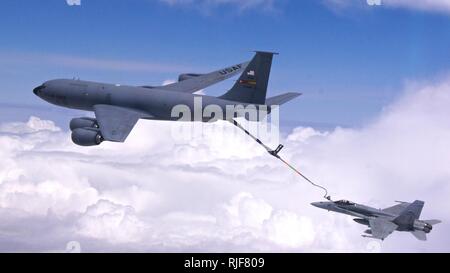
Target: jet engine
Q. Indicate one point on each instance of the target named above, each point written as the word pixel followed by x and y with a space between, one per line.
pixel 187 76
pixel 83 123
pixel 423 226
pixel 87 136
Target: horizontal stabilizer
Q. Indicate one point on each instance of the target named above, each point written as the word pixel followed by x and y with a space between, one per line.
pixel 368 236
pixel 282 99
pixel 420 235
pixel 432 222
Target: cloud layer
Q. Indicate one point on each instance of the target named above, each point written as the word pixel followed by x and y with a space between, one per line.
pixel 221 192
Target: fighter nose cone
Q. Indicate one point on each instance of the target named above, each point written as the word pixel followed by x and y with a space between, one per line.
pixel 317 204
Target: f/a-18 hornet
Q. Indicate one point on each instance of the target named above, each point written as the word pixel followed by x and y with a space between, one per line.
pixel 382 222
pixel 117 108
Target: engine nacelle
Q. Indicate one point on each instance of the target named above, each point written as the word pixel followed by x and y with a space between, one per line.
pixel 87 136
pixel 187 76
pixel 83 123
pixel 423 226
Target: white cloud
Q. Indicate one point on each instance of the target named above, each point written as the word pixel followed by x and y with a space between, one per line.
pixel 428 5
pixel 423 5
pixel 245 210
pixel 13 58
pixel 73 2
pixel 241 4
pixel 112 222
pixel 34 124
pixel 287 229
pixel 221 192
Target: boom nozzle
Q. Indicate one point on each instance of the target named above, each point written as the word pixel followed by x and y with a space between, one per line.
pixel 276 151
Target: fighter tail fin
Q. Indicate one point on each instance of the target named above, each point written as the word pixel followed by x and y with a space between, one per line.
pixel 410 213
pixel 252 84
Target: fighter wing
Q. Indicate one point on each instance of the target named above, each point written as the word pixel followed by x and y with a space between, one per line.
pixel 381 228
pixel 397 209
pixel 194 84
pixel 115 122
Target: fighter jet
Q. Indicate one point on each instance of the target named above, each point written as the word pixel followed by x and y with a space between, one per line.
pixel 117 108
pixel 382 222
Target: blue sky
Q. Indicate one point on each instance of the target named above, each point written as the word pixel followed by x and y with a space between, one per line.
pixel 350 60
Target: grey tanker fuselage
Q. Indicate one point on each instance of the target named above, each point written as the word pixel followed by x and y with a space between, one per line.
pixel 157 103
pixel 117 108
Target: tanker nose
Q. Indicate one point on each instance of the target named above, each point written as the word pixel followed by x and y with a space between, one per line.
pixel 38 90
